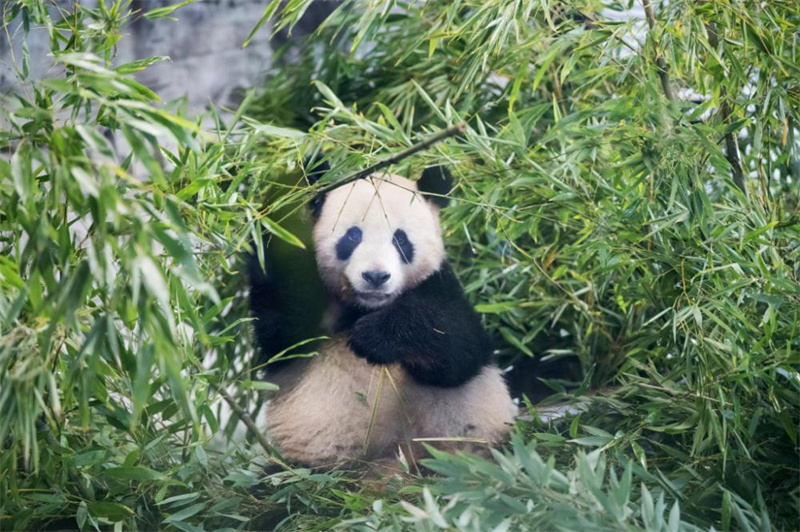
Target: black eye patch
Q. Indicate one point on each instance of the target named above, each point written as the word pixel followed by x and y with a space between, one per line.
pixel 403 246
pixel 348 243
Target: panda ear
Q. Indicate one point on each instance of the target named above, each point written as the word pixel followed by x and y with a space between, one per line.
pixel 316 166
pixel 435 184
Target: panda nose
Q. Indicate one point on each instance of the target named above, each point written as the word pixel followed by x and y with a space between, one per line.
pixel 376 278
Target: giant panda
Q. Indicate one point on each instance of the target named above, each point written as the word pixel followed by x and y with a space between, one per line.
pixel 395 305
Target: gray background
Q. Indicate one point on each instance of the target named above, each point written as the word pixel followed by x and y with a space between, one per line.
pixel 207 62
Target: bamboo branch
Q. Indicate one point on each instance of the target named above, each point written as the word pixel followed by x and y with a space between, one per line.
pixel 731 141
pixel 425 144
pixel 660 63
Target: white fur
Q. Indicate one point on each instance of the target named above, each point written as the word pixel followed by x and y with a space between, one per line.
pixel 322 414
pixel 378 205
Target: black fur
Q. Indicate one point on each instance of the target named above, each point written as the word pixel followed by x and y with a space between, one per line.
pixel 403 246
pixel 280 305
pixel 348 243
pixel 435 184
pixel 431 330
pixel 271 327
pixel 315 169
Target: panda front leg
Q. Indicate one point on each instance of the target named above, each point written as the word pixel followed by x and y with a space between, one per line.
pixel 435 335
pixel 431 330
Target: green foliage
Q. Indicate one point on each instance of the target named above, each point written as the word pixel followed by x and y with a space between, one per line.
pixel 597 222
pixel 522 490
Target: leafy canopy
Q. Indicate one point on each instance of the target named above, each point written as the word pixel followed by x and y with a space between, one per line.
pixel 626 220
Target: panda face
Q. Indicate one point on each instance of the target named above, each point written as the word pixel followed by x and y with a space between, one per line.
pixel 377 238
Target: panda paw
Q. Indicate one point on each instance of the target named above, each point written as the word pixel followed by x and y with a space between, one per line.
pixel 368 341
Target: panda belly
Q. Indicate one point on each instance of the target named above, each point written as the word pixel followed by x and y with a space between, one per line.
pixel 323 412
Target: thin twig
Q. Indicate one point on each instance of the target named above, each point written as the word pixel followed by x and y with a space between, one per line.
pixel 250 424
pixel 374 414
pixel 660 63
pixel 483 441
pixel 404 423
pixel 425 144
pixel 731 141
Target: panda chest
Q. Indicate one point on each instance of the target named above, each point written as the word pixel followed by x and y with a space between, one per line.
pixel 336 356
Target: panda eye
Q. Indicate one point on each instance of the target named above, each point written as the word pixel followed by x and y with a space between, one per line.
pixel 348 243
pixel 353 234
pixel 403 246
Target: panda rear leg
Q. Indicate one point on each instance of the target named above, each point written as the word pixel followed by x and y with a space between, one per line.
pixel 324 415
pixel 469 418
pixel 267 308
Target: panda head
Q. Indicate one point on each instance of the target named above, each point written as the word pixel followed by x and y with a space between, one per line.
pixel 380 236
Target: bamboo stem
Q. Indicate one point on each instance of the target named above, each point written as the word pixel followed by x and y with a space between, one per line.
pixel 731 141
pixel 660 63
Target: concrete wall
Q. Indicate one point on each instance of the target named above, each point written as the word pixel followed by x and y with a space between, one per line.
pixel 207 61
pixel 205 48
